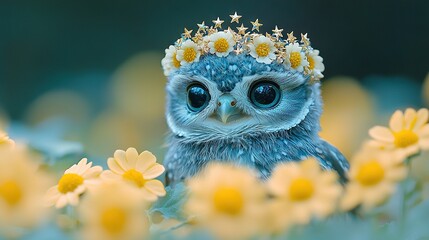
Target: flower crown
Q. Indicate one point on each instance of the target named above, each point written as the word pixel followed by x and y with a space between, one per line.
pixel 298 56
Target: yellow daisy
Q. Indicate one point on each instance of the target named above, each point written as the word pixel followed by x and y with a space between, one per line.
pixel 302 190
pixel 139 170
pixel 315 63
pixel 5 140
pixel 72 184
pixel 221 43
pixel 408 132
pixel 372 177
pixel 113 210
pixel 262 49
pixel 296 59
pixel 22 187
pixel 226 200
pixel 170 62
pixel 188 53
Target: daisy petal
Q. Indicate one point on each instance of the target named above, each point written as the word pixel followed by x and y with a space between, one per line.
pixel 424 143
pixel 92 172
pixel 396 121
pixel 121 159
pixel 132 156
pixel 156 187
pixel 148 195
pixel 114 166
pixel 381 133
pixel 154 171
pixel 424 131
pixel 409 118
pixel 145 160
pixel 62 202
pixel 72 198
pixel 422 118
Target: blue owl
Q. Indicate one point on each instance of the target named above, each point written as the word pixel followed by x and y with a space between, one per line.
pixel 244 107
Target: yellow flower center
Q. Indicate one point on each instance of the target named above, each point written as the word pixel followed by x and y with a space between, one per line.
pixel 113 220
pixel 295 59
pixel 405 138
pixel 370 173
pixel 11 192
pixel 263 49
pixel 311 63
pixel 134 176
pixel 228 200
pixel 189 54
pixel 221 45
pixel 3 139
pixel 176 62
pixel 69 182
pixel 301 189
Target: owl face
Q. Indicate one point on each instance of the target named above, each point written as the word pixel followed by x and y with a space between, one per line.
pixel 235 96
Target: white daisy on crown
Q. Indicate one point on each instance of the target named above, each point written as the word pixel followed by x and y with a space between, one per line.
pixel 265 48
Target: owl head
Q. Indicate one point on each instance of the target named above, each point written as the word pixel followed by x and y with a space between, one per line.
pixel 236 96
pixel 231 85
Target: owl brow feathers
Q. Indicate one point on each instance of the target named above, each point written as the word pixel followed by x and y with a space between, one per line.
pixel 286 80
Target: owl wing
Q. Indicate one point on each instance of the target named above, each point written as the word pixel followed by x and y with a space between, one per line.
pixel 334 159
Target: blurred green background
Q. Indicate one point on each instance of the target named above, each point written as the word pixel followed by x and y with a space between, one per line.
pixel 94 66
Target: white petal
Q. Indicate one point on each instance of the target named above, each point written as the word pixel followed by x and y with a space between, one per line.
pixel 145 160
pixel 156 187
pixel 397 121
pixel 92 172
pixel 154 171
pixel 114 166
pixel 120 157
pixel 409 117
pixel 424 143
pixel 424 131
pixel 381 133
pixel 148 195
pixel 132 156
pixel 422 118
pixel 62 201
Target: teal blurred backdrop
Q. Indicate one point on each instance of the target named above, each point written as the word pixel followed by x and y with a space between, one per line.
pixel 96 64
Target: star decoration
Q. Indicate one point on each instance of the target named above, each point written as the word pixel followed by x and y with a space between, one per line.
pixel 242 38
pixel 290 37
pixel 256 25
pixel 218 23
pixel 187 33
pixel 305 40
pixel 235 17
pixel 198 37
pixel 277 32
pixel 242 29
pixel 211 30
pixel 202 27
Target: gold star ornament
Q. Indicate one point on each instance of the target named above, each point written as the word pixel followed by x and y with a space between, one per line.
pixel 187 33
pixel 290 37
pixel 277 32
pixel 218 23
pixel 256 24
pixel 305 40
pixel 242 29
pixel 202 27
pixel 235 17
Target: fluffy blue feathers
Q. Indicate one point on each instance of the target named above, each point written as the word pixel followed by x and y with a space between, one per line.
pixel 262 138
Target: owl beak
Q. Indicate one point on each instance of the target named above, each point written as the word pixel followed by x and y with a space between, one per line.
pixel 226 108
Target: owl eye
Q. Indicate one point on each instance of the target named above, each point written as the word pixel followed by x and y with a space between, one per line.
pixel 264 94
pixel 198 97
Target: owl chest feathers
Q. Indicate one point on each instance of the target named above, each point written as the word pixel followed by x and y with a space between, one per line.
pixel 260 152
